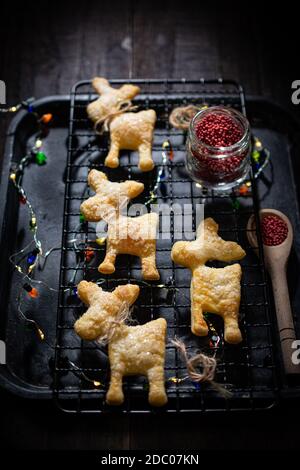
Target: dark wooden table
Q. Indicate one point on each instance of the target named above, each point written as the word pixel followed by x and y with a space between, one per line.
pixel 45 48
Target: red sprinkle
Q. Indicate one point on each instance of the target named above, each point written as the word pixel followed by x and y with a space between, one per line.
pixel 218 130
pixel 274 230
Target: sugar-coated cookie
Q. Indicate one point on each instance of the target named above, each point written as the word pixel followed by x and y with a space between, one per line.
pixel 214 290
pixel 133 350
pixel 125 235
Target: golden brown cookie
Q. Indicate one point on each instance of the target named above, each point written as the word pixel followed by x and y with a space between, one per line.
pixel 133 350
pixel 214 290
pixel 128 131
pixel 125 235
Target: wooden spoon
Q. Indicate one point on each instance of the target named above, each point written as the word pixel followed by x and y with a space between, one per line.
pixel 276 258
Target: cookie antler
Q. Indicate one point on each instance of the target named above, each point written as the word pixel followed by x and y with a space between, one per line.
pixel 101 85
pixel 127 293
pixel 207 246
pixel 127 91
pixel 96 179
pixel 216 248
pixel 132 188
pixel 87 291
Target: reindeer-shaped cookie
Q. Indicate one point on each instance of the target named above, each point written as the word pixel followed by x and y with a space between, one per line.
pixel 132 350
pixel 215 290
pixel 129 131
pixel 125 235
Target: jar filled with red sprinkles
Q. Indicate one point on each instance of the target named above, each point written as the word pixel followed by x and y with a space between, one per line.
pixel 218 148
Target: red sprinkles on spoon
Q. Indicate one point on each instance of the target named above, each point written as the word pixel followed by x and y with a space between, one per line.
pixel 274 230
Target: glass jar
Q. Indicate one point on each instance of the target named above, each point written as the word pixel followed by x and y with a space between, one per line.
pixel 218 148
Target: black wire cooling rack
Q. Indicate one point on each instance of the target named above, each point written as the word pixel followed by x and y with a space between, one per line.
pixel 81 369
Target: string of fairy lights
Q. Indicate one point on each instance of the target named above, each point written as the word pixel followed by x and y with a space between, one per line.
pixel 26 260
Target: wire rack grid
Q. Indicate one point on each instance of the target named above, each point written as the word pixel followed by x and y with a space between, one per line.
pixel 248 369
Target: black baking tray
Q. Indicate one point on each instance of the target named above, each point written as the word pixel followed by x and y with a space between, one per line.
pixel 30 363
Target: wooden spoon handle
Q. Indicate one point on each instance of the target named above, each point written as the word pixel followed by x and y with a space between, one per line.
pixel 284 320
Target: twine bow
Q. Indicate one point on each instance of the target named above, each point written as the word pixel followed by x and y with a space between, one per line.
pixel 123 315
pixel 102 124
pixel 208 365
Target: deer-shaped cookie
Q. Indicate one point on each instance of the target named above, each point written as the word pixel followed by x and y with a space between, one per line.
pixel 214 290
pixel 125 235
pixel 132 350
pixel 129 131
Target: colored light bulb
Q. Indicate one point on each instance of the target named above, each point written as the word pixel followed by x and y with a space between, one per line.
pixel 40 158
pixel 46 118
pixel 41 334
pixel 31 258
pixel 32 223
pixel 235 203
pixel 100 241
pixel 33 293
pixel 255 155
pixel 243 189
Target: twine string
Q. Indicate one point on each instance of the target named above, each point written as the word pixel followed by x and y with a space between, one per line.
pixel 124 315
pixel 208 366
pixel 102 124
pixel 181 116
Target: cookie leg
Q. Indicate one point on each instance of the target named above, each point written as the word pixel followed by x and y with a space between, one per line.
pixel 199 326
pixel 145 157
pixel 149 270
pixel 108 264
pixel 115 395
pixel 232 333
pixel 112 159
pixel 157 393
